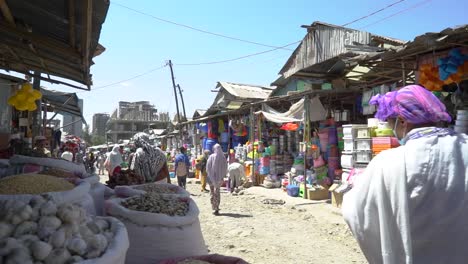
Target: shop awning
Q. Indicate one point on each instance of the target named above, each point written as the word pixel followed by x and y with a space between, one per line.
pixel 52 37
pixel 62 102
pixel 295 112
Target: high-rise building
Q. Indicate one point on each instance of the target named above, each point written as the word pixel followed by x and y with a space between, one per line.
pixel 99 124
pixel 73 125
pixel 132 117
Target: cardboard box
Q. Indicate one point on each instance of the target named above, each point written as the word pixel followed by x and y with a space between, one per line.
pixel 317 194
pixel 337 198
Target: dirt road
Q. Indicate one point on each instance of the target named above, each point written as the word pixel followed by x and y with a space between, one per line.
pixel 298 231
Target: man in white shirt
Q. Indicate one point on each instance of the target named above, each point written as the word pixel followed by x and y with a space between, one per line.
pixel 411 203
pixel 67 155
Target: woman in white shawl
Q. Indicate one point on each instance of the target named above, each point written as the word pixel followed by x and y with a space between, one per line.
pixel 114 160
pixel 411 203
pixel 216 168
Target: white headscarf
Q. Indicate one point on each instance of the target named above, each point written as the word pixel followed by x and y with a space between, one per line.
pixel 115 158
pixel 216 166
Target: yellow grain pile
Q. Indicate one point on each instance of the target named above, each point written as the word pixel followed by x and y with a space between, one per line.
pixel 33 184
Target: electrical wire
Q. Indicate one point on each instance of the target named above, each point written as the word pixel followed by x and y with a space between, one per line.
pixel 373 13
pixel 126 80
pixel 194 28
pixel 398 13
pixel 256 43
pixel 238 58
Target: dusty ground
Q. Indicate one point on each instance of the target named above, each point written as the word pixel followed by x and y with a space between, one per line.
pixel 299 231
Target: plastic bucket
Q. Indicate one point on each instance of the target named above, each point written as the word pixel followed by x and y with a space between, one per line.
pixel 224 137
pixel 332 136
pixel 225 147
pixel 292 190
pixel 323 136
pixel 210 144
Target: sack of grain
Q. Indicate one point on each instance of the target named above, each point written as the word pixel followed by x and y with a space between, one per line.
pixel 78 169
pixel 43 231
pixel 117 250
pixel 213 259
pixel 25 186
pixel 155 236
pixel 97 192
pixel 161 188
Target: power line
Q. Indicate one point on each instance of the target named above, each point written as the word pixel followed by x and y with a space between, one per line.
pixel 397 13
pixel 235 59
pixel 194 28
pixel 126 80
pixel 373 13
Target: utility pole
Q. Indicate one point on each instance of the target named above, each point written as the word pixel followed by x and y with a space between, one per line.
pixel 175 91
pixel 182 100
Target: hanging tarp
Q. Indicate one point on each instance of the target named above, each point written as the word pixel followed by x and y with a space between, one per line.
pixel 295 112
pixel 317 112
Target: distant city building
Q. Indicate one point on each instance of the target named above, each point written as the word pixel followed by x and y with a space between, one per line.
pixel 99 124
pixel 54 124
pixel 73 125
pixel 132 117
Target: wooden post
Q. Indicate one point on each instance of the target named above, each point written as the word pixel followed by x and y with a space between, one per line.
pixel 403 72
pixel 36 122
pixel 305 137
pixel 175 91
pixel 252 139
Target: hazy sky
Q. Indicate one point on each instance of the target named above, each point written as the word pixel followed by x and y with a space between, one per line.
pixel 136 43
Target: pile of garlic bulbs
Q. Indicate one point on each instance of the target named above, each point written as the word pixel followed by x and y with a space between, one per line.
pixel 41 231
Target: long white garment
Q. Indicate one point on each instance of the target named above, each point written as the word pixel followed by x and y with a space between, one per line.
pixel 216 166
pixel 236 174
pixel 411 203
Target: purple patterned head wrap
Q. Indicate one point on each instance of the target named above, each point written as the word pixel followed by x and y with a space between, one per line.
pixel 413 103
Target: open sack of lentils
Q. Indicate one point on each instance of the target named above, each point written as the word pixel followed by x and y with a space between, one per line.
pixel 43 231
pixel 160 226
pixel 158 188
pixel 153 202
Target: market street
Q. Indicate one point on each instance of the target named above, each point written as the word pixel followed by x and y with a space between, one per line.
pixel 300 231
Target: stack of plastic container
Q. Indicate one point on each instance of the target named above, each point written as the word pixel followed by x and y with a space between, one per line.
pixel 461 123
pixel 383 139
pixel 282 144
pixel 352 136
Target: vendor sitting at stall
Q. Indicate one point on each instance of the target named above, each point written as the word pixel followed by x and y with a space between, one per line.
pixel 40 149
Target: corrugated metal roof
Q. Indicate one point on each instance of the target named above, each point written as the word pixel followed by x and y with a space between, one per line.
pixel 324 42
pixel 62 102
pixel 44 36
pixel 246 91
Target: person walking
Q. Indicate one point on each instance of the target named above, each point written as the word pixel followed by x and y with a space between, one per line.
pixel 203 174
pixel 101 160
pixel 182 165
pixel 67 155
pixel 216 168
pixel 114 160
pixel 410 204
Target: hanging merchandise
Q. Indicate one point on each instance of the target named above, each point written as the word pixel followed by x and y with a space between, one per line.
pixel 450 65
pixel 290 126
pixel 25 98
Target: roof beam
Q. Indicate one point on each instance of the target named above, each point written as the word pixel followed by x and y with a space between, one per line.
pixel 6 12
pixel 71 22
pixel 39 41
pixel 86 32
